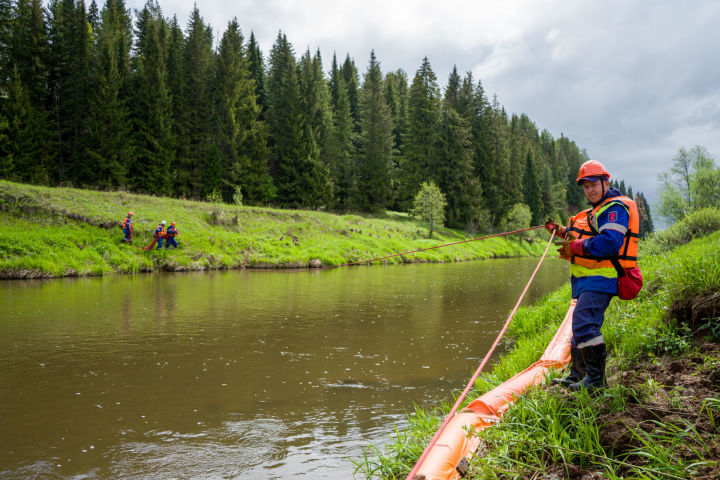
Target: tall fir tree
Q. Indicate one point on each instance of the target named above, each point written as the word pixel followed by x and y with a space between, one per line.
pixel 421 142
pixel 27 99
pixel 27 134
pixel 6 21
pixel 239 134
pixel 150 170
pixel 175 83
pixel 531 190
pixel 352 83
pixel 341 148
pixel 646 223
pixel 93 17
pixel 455 171
pixel 375 142
pixel 334 81
pixel 70 48
pixel 109 133
pixel 6 160
pixel 257 70
pixel 452 90
pixel 316 105
pixel 284 119
pixel 198 65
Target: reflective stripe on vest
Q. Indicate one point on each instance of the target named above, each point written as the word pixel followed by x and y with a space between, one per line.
pixel 584 224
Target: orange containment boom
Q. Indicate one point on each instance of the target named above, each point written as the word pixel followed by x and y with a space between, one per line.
pixel 449 455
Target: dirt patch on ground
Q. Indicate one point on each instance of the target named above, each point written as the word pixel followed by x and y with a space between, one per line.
pixel 696 311
pixel 670 392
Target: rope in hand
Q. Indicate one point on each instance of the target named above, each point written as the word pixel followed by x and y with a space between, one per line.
pixel 482 365
pixel 431 248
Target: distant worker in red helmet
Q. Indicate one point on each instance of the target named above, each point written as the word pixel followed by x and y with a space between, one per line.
pixel 127 227
pixel 601 245
pixel 170 236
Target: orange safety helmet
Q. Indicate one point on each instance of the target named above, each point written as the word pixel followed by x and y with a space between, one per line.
pixel 592 168
pixel 173 224
pixel 130 214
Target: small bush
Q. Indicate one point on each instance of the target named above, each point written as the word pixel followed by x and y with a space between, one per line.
pixel 237 196
pixel 214 197
pixel 696 224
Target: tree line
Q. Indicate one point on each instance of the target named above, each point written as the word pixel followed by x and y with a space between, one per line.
pixel 109 98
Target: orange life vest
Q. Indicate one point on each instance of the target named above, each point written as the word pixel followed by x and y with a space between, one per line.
pixel 127 223
pixel 159 231
pixel 585 225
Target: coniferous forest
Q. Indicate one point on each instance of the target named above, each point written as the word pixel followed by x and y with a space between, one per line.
pixel 107 98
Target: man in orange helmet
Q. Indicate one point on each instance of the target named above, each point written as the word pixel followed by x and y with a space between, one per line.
pixel 599 243
pixel 127 227
pixel 170 236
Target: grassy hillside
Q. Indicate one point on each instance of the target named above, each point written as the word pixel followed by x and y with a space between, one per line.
pixel 660 415
pixel 50 232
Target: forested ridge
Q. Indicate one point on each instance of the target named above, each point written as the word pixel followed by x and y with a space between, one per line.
pixel 112 99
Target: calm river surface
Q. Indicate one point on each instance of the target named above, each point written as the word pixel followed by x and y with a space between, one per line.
pixel 242 374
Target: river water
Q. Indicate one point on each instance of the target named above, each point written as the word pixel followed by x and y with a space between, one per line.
pixel 242 374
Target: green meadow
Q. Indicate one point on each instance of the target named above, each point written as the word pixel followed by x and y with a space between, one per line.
pixel 55 232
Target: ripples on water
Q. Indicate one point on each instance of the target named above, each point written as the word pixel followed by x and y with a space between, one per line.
pixel 238 374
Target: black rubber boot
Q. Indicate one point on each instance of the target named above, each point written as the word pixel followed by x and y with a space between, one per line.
pixel 577 369
pixel 595 368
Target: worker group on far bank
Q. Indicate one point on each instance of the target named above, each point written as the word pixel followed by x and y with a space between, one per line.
pixel 160 233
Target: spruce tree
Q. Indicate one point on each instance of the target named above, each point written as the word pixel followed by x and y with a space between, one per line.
pixel 150 171
pixel 452 90
pixel 239 134
pixel 316 101
pixel 531 190
pixel 176 86
pixel 334 82
pixel 341 151
pixel 109 136
pixel 198 65
pixel 6 21
pixel 284 118
pixel 421 142
pixel 27 100
pixel 375 142
pixel 350 76
pixel 7 166
pixel 27 135
pixel 455 171
pixel 257 70
pixel 6 160
pixel 646 223
pixel 70 48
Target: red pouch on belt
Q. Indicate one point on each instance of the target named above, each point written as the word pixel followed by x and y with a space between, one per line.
pixel 629 284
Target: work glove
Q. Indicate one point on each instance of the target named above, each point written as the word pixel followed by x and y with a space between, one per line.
pixel 551 225
pixel 571 246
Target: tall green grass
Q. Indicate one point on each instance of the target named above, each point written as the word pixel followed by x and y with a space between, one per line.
pixel 63 231
pixel 544 430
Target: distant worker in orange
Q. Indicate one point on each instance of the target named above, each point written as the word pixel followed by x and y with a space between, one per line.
pixel 127 227
pixel 170 236
pixel 601 245
pixel 160 234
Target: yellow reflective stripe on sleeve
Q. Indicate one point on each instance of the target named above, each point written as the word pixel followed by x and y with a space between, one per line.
pixel 580 271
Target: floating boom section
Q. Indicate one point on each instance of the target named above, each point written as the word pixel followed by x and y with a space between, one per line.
pixel 448 457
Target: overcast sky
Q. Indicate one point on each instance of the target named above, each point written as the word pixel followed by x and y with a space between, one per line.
pixel 629 81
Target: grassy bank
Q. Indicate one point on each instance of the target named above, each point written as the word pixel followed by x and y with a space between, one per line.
pixel 660 416
pixel 51 232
